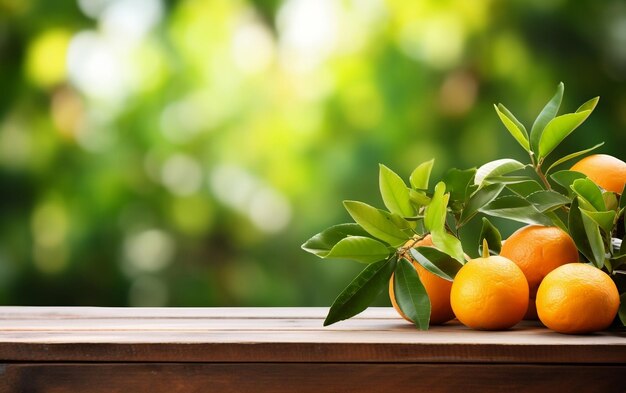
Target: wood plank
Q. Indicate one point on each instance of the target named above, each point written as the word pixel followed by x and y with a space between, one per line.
pixel 349 333
pixel 208 323
pixel 305 378
pixel 15 312
pixel 396 325
pixel 274 335
pixel 234 325
pixel 310 352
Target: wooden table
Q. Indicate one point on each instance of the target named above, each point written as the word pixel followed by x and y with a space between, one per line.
pixel 288 350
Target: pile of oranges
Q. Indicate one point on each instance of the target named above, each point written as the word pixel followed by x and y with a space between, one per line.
pixel 536 276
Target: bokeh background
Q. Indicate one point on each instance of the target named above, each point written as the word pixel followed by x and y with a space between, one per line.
pixel 177 153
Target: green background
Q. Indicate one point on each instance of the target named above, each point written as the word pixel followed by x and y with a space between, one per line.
pixel 178 153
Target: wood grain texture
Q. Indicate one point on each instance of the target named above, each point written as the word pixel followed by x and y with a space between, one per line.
pixel 61 334
pixel 305 378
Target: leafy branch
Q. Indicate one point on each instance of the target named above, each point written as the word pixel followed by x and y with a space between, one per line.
pixel 387 240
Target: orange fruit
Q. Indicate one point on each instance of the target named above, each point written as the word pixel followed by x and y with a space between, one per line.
pixel 489 293
pixel 538 250
pixel 606 171
pixel 437 288
pixel 577 298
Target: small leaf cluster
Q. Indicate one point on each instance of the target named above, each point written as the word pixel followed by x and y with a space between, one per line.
pixel 386 239
pixel 593 217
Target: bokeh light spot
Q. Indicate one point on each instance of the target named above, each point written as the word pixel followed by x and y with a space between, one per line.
pixel 45 59
pixel 50 226
pixel 182 174
pixel 182 120
pixel 67 110
pixel 148 251
pixel 253 46
pixel 97 68
pixel 93 8
pixel 458 93
pixel 192 215
pixel 95 133
pixel 308 32
pixel 438 40
pixel 15 143
pixel 129 21
pixel 268 210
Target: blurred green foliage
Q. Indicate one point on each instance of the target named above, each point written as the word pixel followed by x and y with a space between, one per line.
pixel 178 153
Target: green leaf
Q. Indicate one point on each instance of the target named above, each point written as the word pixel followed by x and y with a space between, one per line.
pixel 478 200
pixel 572 156
pixel 458 182
pixel 516 208
pixel 589 105
pixel 558 129
pixel 376 223
pixel 421 175
pixel 490 233
pixel 595 240
pixel 556 220
pixel 622 308
pixel 411 295
pixel 448 244
pixel 566 178
pixel 622 198
pixel 435 214
pixel 590 194
pixel 577 230
pixel 399 222
pixel 618 261
pixel 524 188
pixel 419 198
pixel 437 262
pixel 362 291
pixel 604 220
pixel 496 168
pixel 545 116
pixel 506 180
pixel 515 128
pixel 323 242
pixel 360 249
pixel 394 192
pixel 610 200
pixel 547 200
pixel 511 117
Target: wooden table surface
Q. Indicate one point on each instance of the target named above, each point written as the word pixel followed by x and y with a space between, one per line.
pixel 60 349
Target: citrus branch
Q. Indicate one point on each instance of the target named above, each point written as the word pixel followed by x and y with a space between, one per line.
pixel 541 175
pixel 416 239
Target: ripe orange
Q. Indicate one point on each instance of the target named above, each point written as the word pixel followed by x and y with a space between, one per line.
pixel 606 171
pixel 489 293
pixel 577 298
pixel 437 288
pixel 538 250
